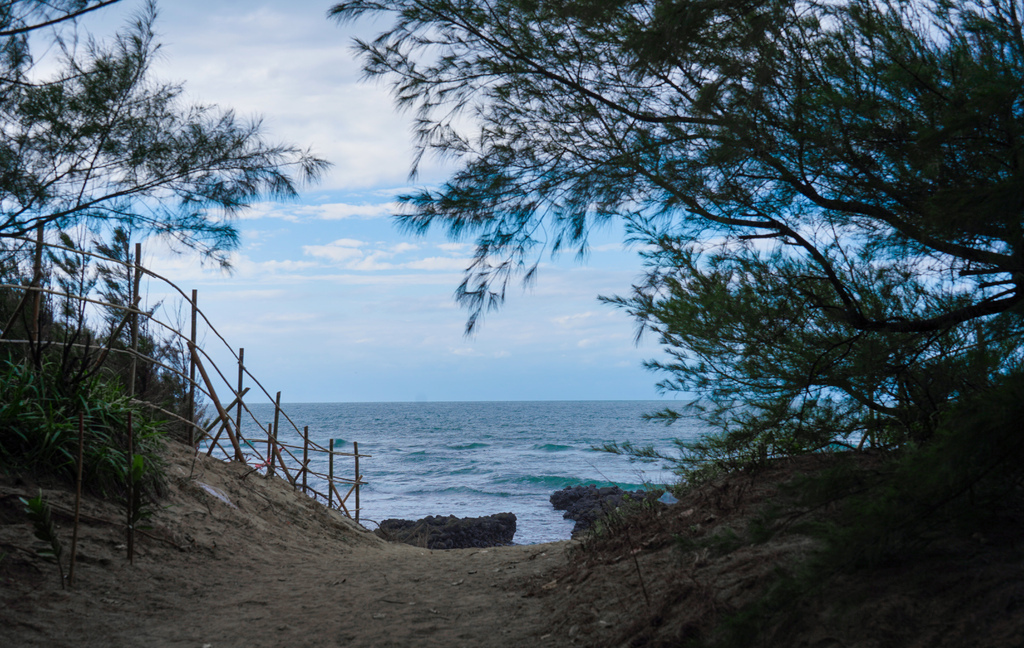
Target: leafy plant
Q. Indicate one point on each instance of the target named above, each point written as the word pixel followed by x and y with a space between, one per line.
pixel 137 502
pixel 41 516
pixel 38 426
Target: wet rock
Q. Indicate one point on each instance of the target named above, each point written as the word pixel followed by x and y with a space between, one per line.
pixel 587 504
pixel 450 532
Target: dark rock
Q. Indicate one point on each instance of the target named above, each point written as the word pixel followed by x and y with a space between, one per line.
pixel 450 532
pixel 587 504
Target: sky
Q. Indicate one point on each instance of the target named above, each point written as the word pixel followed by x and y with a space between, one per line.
pixel 331 302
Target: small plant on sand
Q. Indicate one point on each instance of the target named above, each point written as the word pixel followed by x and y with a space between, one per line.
pixel 41 516
pixel 137 502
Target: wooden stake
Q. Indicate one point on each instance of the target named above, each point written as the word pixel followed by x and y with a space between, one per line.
pixel 131 492
pixel 216 403
pixel 239 392
pixel 136 278
pixel 270 450
pixel 355 449
pixel 330 476
pixel 284 467
pixel 277 419
pixel 192 372
pixel 78 499
pixel 305 456
pixel 341 501
pixel 37 280
pixel 209 452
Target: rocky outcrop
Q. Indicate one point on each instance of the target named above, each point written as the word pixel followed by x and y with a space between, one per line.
pixel 450 532
pixel 587 504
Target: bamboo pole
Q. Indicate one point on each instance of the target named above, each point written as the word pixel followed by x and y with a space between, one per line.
pixel 239 392
pixel 135 276
pixel 270 450
pixel 277 422
pixel 37 280
pixel 330 476
pixel 341 501
pixel 220 409
pixel 284 467
pixel 78 499
pixel 355 450
pixel 305 456
pixel 192 372
pixel 221 430
pixel 131 492
pixel 273 437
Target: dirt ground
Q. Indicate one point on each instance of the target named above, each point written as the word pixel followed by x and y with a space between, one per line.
pixel 266 567
pixel 234 559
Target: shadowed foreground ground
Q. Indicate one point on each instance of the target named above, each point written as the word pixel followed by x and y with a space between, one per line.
pixel 268 567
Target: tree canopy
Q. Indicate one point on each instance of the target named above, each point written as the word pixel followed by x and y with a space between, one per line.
pixel 97 154
pixel 828 195
pixel 100 142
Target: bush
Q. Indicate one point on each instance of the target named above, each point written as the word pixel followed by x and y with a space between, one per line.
pixel 39 427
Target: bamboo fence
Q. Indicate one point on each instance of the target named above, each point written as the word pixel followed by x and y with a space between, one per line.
pixel 292 459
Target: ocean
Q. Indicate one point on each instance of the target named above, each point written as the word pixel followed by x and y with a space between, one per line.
pixel 478 458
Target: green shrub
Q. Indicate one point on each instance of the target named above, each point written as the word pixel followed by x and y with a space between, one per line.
pixel 39 427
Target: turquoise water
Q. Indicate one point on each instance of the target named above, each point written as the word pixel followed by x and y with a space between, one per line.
pixel 477 458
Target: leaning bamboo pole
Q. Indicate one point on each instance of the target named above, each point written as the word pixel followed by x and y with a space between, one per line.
pixel 220 409
pixel 341 501
pixel 284 467
pixel 222 425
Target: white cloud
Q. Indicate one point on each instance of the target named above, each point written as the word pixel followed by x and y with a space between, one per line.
pixel 576 319
pixel 607 247
pixel 454 247
pixel 339 211
pixel 335 253
pixel 437 263
pixel 285 61
pixel 332 211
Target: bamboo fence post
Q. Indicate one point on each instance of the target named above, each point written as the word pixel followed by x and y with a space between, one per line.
pixel 241 377
pixel 192 372
pixel 305 456
pixel 270 450
pixel 135 277
pixel 37 280
pixel 330 475
pixel 216 438
pixel 131 492
pixel 355 451
pixel 277 419
pixel 284 467
pixel 273 435
pixel 341 501
pixel 220 409
pixel 78 499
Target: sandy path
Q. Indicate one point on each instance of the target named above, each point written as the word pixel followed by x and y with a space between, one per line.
pixel 270 569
